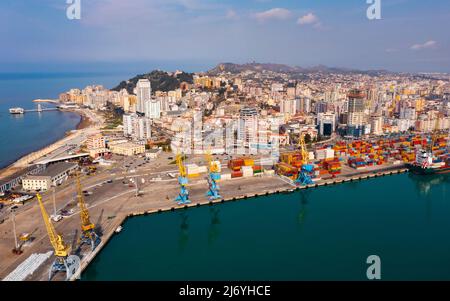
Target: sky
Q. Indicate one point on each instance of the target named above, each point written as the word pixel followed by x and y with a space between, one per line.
pixel 411 36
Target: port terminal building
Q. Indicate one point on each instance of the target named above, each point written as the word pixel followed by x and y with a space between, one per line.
pixel 53 175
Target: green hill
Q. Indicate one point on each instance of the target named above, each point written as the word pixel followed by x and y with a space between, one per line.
pixel 160 80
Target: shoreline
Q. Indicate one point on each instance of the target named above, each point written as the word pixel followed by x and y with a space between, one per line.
pixel 83 123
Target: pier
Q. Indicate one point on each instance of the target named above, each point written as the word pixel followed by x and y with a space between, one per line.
pixel 39 109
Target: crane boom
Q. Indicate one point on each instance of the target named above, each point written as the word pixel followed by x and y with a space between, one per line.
pixel 303 150
pixel 212 166
pixel 61 250
pixel 86 224
pixel 181 166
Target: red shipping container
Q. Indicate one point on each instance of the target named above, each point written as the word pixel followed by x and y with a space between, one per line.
pixel 236 174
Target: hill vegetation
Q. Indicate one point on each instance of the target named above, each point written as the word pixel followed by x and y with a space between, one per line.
pixel 160 80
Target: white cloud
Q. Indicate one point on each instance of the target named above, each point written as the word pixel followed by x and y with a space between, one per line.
pixel 273 14
pixel 426 45
pixel 307 19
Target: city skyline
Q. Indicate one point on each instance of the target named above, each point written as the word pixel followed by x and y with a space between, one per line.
pixel 202 33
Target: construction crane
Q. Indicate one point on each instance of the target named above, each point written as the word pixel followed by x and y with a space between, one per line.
pixel 88 234
pixel 304 174
pixel 183 196
pixel 213 177
pixel 61 250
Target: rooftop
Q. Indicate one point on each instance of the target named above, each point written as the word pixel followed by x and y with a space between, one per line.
pixel 56 169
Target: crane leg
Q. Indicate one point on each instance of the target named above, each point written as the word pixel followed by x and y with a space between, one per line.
pixel 91 238
pixel 213 191
pixel 59 265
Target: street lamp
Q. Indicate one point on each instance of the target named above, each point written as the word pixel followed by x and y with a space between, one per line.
pixel 16 249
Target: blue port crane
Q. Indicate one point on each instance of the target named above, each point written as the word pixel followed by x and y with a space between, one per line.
pixel 183 196
pixel 304 176
pixel 213 177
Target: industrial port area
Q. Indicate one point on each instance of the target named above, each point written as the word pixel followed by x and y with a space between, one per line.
pixel 170 141
pixel 80 214
pixel 217 139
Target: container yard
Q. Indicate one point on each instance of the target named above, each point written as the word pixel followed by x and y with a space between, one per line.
pixel 359 155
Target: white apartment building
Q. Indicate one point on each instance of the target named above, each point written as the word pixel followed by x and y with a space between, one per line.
pixel 248 127
pixel 143 92
pixel 376 124
pixel 152 109
pixel 137 127
pixel 356 118
pixel 288 106
pixel 404 124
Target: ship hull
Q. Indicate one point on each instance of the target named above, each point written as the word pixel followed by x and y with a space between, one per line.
pixel 428 171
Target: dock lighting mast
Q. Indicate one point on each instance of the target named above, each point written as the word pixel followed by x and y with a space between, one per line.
pixel 183 196
pixel 61 250
pixel 88 234
pixel 304 174
pixel 16 249
pixel 213 177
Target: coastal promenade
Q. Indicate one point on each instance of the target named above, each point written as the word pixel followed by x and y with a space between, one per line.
pixel 90 123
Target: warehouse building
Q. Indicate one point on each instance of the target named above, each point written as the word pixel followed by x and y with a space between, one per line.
pixel 53 175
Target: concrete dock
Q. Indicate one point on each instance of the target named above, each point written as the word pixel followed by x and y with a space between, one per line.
pixel 111 204
pixel 239 197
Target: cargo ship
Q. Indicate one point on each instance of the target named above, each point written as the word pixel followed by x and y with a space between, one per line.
pixel 16 111
pixel 427 164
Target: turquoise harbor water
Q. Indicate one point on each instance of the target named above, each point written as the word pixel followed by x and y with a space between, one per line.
pixel 318 234
pixel 20 135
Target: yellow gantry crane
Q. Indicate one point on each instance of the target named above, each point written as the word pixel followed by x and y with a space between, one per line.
pixel 88 234
pixel 305 172
pixel 213 177
pixel 60 248
pixel 303 151
pixel 212 166
pixel 183 196
pixel 180 164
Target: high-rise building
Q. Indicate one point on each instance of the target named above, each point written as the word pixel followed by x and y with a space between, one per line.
pixel 376 124
pixel 408 113
pixel 248 127
pixel 303 105
pixel 288 106
pixel 356 114
pixel 137 127
pixel 326 123
pixel 143 92
pixel 152 108
pixel 321 106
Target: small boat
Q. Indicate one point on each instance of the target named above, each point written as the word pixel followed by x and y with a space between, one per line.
pixel 16 111
pixel 119 229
